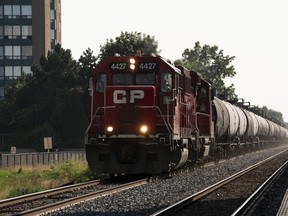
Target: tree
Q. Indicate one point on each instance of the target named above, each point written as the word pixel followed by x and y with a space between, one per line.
pixel 128 44
pixel 212 65
pixel 48 101
pixel 87 63
pixel 273 115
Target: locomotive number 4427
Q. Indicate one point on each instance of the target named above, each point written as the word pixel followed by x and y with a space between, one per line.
pixel 118 66
pixel 147 66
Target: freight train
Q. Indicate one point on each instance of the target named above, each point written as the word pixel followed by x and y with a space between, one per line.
pixel 150 116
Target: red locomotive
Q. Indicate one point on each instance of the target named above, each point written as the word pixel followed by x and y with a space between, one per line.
pixel 150 116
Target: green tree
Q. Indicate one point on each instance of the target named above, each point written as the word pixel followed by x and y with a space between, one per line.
pixel 273 115
pixel 128 43
pixel 48 102
pixel 212 65
pixel 87 63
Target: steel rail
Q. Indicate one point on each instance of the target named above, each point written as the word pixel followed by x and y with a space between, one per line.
pixel 39 195
pixel 75 200
pixel 190 199
pixel 252 201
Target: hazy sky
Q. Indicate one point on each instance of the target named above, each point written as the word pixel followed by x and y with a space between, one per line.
pixel 254 31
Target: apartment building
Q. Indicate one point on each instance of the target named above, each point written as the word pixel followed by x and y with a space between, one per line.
pixel 28 29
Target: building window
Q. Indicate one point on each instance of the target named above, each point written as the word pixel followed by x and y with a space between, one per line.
pixel 8 52
pixel 17 71
pixel 12 52
pixel 26 32
pixel 12 72
pixel 26 69
pixel 26 11
pixel 16 52
pixel 11 11
pixel 26 52
pixel 1 32
pixel 1 52
pixel 8 72
pixel 53 25
pixel 8 32
pixel 52 32
pixel 52 13
pixel 2 73
pixel 1 92
pixel 8 11
pixel 16 32
pixel 1 11
pixel 16 12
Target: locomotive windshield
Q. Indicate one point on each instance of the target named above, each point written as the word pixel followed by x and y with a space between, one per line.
pixel 127 79
pixel 145 78
pixel 122 79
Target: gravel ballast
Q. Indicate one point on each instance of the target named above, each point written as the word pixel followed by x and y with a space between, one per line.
pixel 152 197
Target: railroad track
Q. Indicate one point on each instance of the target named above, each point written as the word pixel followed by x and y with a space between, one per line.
pixel 203 202
pixel 251 205
pixel 50 200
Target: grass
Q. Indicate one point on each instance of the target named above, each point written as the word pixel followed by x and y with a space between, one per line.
pixel 24 180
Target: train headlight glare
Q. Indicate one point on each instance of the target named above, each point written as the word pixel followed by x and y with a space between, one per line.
pixel 144 129
pixel 132 61
pixel 132 67
pixel 110 128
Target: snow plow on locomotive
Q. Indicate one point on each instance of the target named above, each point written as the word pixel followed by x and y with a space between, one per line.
pixel 150 116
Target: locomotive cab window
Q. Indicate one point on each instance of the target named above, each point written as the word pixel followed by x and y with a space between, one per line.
pixel 166 82
pixel 145 78
pixel 203 93
pixel 101 81
pixel 122 79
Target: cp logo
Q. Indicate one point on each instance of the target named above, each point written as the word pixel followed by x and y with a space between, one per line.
pixel 120 96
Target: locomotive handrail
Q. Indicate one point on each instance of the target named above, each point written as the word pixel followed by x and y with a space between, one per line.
pixel 91 121
pixel 205 114
pixel 196 122
pixel 168 126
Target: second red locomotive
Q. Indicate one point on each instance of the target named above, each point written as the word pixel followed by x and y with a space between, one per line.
pixel 150 116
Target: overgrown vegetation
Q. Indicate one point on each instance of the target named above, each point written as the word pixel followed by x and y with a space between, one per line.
pixel 24 180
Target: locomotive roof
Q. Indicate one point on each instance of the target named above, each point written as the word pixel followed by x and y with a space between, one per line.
pixel 160 60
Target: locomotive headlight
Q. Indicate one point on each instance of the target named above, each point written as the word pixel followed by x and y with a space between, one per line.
pixel 143 129
pixel 132 63
pixel 110 128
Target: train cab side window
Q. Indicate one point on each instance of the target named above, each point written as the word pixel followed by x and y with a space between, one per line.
pixel 101 81
pixel 203 93
pixel 166 82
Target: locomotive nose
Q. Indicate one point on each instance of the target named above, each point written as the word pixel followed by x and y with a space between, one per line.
pixel 127 154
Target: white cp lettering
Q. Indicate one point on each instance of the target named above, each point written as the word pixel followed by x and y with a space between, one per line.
pixel 119 96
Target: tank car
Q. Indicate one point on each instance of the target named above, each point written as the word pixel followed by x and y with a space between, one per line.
pixel 150 116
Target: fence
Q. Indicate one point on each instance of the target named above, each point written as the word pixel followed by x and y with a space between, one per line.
pixel 39 158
